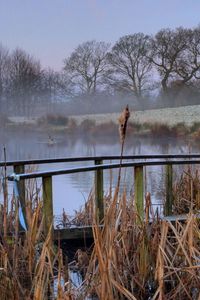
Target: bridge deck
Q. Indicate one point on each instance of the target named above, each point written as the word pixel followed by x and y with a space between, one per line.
pixel 74 233
pixel 85 232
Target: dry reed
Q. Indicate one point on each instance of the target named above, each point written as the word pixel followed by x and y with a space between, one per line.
pixel 186 192
pixel 152 260
pixel 27 259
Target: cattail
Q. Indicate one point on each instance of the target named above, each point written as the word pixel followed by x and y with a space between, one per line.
pixel 123 119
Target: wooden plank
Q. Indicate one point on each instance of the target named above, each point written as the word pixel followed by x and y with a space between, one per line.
pixel 47 204
pixel 169 191
pixel 20 169
pixel 179 218
pixel 139 191
pixel 99 205
pixel 77 233
pixel 85 232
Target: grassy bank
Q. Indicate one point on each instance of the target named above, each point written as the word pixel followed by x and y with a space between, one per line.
pixel 110 128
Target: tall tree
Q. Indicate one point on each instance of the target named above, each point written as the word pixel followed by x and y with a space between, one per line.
pixel 55 88
pixel 130 63
pixel 4 68
pixel 188 65
pixel 168 47
pixel 25 81
pixel 87 66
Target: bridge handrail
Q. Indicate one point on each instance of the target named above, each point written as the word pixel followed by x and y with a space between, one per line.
pixel 94 158
pixel 38 174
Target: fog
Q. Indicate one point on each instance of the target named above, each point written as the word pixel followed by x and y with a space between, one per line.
pixel 144 71
pixel 71 191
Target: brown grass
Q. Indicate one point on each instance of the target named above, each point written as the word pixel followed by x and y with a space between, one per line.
pixel 186 192
pixel 153 259
pixel 27 260
pixel 150 260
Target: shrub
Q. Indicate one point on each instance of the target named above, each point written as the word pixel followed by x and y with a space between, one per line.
pixel 195 127
pixel 136 127
pixel 163 130
pixel 196 135
pixel 87 124
pixel 180 129
pixel 109 128
pixel 72 125
pixel 56 120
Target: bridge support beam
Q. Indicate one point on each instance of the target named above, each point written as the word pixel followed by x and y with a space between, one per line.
pixel 139 191
pixel 20 169
pixel 169 191
pixel 47 204
pixel 99 205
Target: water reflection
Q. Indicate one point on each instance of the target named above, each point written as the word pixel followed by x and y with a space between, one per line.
pixel 71 191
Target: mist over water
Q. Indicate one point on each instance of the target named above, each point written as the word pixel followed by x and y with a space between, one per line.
pixel 71 191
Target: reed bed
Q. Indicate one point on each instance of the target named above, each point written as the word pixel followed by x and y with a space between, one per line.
pixel 28 259
pixel 186 191
pixel 131 259
pixel 140 259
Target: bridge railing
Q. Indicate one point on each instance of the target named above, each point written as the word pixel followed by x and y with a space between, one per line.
pixel 94 158
pixel 138 162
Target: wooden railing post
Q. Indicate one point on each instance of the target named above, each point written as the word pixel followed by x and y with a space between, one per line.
pixel 20 169
pixel 99 205
pixel 139 191
pixel 169 191
pixel 47 204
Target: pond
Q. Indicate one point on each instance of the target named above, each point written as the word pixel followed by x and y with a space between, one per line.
pixel 71 191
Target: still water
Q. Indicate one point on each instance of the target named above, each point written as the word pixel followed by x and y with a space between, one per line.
pixel 71 191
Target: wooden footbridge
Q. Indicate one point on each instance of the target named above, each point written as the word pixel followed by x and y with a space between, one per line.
pixel 98 165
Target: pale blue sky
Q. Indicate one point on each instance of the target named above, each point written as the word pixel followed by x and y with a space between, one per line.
pixel 51 29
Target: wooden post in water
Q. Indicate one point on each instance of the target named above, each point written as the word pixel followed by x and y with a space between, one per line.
pixel 20 169
pixel 47 204
pixel 169 191
pixel 99 205
pixel 139 191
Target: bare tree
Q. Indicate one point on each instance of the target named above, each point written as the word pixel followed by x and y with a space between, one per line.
pixel 56 87
pixel 25 81
pixel 188 65
pixel 168 47
pixel 87 66
pixel 4 67
pixel 131 65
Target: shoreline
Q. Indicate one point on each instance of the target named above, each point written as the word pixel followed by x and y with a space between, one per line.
pixel 166 116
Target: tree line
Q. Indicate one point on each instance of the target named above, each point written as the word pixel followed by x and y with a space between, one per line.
pixel 146 70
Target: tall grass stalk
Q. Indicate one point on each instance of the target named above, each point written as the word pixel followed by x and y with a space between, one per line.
pixel 123 121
